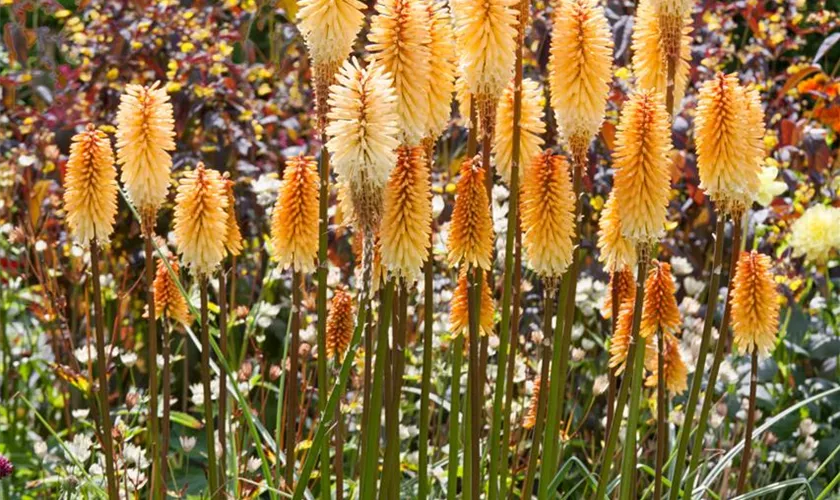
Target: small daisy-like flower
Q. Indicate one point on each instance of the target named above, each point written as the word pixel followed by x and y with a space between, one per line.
pixel 580 70
pixel 90 187
pixel 730 149
pixel 660 311
pixel 294 221
pixel 168 298
pixel 814 234
pixel 399 43
pixel 641 158
pixel 622 286
pixel 676 373
pixel 340 323
pixel 471 231
pixel 407 214
pixel 529 420
pixel 755 304
pixel 145 132
pixel 548 215
pixel 459 321
pixel 620 341
pixel 442 67
pixel 201 219
pixel 616 251
pixel 233 236
pixel 531 128
pixel 650 60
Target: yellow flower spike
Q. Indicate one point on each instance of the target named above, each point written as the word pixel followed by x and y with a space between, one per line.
pixel 674 369
pixel 649 57
pixel 340 323
pixel 442 67
pixel 755 304
pixel 529 420
pixel 90 187
pixel 814 234
pixel 548 218
pixel 201 219
pixel 168 298
pixel 145 132
pixel 620 341
pixel 729 130
pixel 660 310
pixel 580 71
pixel 616 251
pixel 407 215
pixel 329 28
pixel 294 221
pixel 531 126
pixel 399 43
pixel 471 231
pixel 623 285
pixel 459 308
pixel 233 236
pixel 642 163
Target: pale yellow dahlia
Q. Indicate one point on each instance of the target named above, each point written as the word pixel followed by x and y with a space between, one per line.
pixel 485 31
pixel 548 215
pixel 340 323
pixel 622 287
pixel 201 219
pixel 168 298
pixel 729 130
pixel 650 63
pixel 399 43
pixel 407 214
pixel 660 311
pixel 676 373
pixel 755 304
pixel 459 319
pixel 531 128
pixel 442 67
pixel 294 221
pixel 620 340
pixel 616 251
pixel 471 230
pixel 642 163
pixel 329 28
pixel 233 236
pixel 815 234
pixel 145 132
pixel 90 186
pixel 580 71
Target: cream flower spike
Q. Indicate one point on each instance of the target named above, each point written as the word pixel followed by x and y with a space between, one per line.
pixel 399 42
pixel 531 125
pixel 442 67
pixel 329 28
pixel 200 221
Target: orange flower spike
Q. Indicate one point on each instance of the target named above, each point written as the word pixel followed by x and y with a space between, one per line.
pixel 529 420
pixel 620 341
pixel 201 219
pixel 459 307
pixel 294 222
pixel 471 231
pixel 531 123
pixel 442 67
pixel 340 323
pixel 616 251
pixel 233 236
pixel 625 283
pixel 660 311
pixel 168 298
pixel 755 304
pixel 676 373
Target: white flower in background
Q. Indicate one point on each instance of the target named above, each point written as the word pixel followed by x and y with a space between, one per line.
pixel 817 304
pixel 266 313
pixel 437 205
pixel 266 189
pixel 136 478
pixel 806 450
pixel 587 344
pixel 40 246
pixel 85 354
pixel 133 454
pixel 681 266
pixel 693 287
pixel 254 464
pixel 578 354
pixel 689 306
pixel 80 448
pixel 677 417
pixel 600 385
pixel 160 361
pixel 129 358
pixel 577 332
pixel 187 443
pixel 197 394
pixel 40 448
pixel 807 427
pixel 80 413
pixel 770 187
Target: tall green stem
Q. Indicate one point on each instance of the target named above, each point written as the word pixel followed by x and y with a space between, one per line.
pixel 321 306
pixel 476 381
pixel 426 377
pixel 746 457
pixel 511 361
pixel 102 368
pixel 157 481
pixel 661 430
pixel 697 379
pixel 455 417
pixel 212 470
pixel 292 386
pixel 223 393
pixel 392 445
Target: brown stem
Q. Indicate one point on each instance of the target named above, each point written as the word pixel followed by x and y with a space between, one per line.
pixel 223 347
pixel 661 431
pixel 339 442
pixel 212 471
pixel 616 303
pixel 291 384
pixel 167 395
pixel 747 457
pixel 154 426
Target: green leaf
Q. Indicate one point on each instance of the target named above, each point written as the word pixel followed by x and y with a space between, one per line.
pixel 186 420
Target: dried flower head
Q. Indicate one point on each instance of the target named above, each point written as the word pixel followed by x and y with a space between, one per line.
pixel 676 373
pixel 814 234
pixel 650 60
pixel 90 186
pixel 340 323
pixel 442 67
pixel 730 149
pixel 755 304
pixel 620 341
pixel 531 128
pixel 399 43
pixel 459 320
pixel 233 236
pixel 616 251
pixel 294 221
pixel 407 214
pixel 580 70
pixel 201 219
pixel 363 136
pixel 642 178
pixel 471 230
pixel 622 287
pixel 660 311
pixel 168 298
pixel 145 132
pixel 485 31
pixel 530 418
pixel 548 215
pixel 329 28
